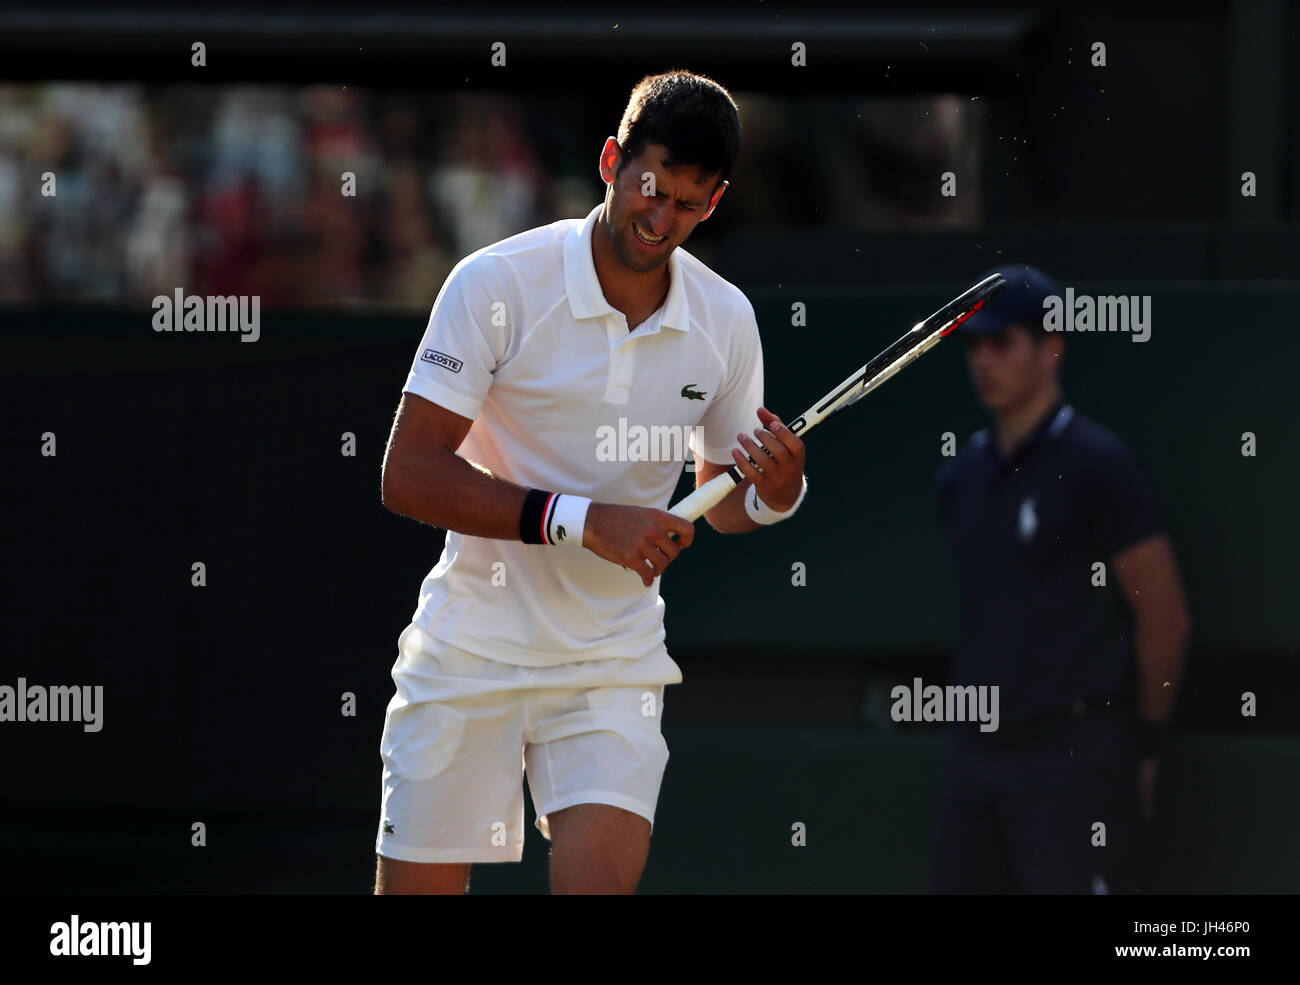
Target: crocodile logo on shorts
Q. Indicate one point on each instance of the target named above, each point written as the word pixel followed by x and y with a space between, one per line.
pixel 559 532
pixel 690 394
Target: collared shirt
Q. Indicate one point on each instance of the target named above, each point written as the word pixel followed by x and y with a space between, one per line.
pixel 1039 619
pixel 563 397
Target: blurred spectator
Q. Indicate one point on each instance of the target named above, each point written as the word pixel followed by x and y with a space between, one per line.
pixel 414 266
pixel 158 249
pixel 487 182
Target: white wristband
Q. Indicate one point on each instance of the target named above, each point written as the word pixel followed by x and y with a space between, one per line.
pixel 567 521
pixel 763 514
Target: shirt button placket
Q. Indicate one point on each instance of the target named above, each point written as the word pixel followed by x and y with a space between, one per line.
pixel 619 384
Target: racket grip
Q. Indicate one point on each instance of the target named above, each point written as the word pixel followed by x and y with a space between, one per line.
pixel 705 498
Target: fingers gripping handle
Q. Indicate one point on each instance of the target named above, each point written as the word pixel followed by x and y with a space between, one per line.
pixel 704 499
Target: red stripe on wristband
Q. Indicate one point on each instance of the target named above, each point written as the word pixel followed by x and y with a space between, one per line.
pixel 546 517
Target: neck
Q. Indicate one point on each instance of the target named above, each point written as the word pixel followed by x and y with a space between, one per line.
pixel 1015 423
pixel 628 291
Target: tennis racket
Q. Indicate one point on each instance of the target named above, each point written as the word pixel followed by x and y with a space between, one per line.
pixel 921 338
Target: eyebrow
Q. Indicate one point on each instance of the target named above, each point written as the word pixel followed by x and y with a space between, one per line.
pixel 689 203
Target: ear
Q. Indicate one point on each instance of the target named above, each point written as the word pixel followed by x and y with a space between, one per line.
pixel 610 155
pixel 713 202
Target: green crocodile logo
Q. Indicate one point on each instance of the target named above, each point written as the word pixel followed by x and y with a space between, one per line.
pixel 690 394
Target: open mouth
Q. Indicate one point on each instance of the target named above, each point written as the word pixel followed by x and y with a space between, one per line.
pixel 645 238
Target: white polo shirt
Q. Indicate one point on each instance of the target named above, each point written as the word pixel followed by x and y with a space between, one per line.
pixel 522 341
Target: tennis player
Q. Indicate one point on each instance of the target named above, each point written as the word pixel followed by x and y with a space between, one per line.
pixel 537 646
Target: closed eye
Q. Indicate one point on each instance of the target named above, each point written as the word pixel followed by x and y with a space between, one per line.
pixel 681 205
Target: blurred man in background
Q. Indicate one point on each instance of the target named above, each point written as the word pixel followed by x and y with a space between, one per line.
pixel 1072 605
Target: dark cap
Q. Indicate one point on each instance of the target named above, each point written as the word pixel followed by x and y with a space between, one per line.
pixel 1021 301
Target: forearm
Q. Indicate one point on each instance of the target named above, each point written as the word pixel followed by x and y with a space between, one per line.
pixel 729 516
pixel 447 491
pixel 1161 646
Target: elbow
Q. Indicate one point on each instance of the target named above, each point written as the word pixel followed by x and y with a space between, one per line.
pixel 411 486
pixel 390 491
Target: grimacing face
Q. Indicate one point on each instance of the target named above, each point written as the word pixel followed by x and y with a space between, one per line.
pixel 1010 367
pixel 646 229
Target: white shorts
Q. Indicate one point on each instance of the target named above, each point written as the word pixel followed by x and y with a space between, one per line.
pixel 462 730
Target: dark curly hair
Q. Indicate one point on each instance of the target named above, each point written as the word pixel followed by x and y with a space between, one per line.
pixel 691 115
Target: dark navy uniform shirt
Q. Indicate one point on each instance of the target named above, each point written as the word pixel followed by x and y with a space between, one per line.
pixel 1026 532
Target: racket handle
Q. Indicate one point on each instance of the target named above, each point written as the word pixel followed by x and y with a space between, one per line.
pixel 705 498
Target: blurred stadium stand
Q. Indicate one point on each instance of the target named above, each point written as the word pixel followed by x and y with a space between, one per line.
pixel 163 168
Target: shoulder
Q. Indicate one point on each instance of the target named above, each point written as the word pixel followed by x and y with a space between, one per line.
pixel 1106 470
pixel 1090 443
pixel 961 463
pixel 720 311
pixel 971 452
pixel 1111 486
pixel 712 295
pixel 517 259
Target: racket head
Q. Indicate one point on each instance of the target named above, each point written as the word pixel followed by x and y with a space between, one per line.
pixel 922 336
